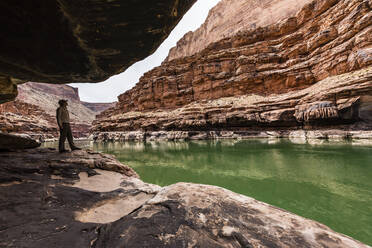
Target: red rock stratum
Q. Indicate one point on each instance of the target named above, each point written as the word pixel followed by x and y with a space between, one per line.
pixel 229 17
pixel 325 38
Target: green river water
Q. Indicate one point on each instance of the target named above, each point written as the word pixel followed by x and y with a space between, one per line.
pixel 330 183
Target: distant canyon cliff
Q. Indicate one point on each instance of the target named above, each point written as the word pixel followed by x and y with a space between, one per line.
pixel 33 112
pixel 250 64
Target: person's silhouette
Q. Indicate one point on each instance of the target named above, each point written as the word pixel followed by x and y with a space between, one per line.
pixel 63 120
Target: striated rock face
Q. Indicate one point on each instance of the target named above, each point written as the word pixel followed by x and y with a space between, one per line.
pixel 87 199
pixel 229 17
pixel 342 101
pixel 63 41
pixel 325 38
pixel 34 110
pixel 320 111
pixel 25 118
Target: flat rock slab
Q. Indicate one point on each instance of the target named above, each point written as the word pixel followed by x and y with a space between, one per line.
pixel 193 215
pixel 88 199
pixel 48 199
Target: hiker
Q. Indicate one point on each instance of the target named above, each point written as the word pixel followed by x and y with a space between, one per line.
pixel 63 120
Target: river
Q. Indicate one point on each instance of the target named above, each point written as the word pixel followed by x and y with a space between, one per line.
pixel 323 181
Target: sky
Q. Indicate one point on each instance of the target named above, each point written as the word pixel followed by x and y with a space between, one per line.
pixel 108 90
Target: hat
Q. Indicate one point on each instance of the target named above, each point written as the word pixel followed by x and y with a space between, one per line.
pixel 60 102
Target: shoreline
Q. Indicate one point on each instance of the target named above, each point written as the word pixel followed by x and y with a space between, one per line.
pixel 295 135
pixel 316 136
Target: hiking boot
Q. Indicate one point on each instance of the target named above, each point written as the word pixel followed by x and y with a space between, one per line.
pixel 63 151
pixel 75 148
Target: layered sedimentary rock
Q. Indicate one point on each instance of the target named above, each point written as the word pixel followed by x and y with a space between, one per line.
pixel 34 110
pixel 63 41
pixel 87 199
pixel 325 38
pixel 342 102
pixel 21 117
pixel 277 76
pixel 229 17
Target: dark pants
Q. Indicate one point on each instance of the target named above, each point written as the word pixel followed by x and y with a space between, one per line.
pixel 65 132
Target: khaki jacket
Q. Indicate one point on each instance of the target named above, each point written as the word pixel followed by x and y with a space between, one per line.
pixel 62 116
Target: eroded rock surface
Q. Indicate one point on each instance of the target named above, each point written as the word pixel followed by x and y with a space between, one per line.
pixel 325 38
pixel 340 102
pixel 192 215
pixel 316 136
pixel 41 197
pixel 11 141
pixel 25 118
pixel 61 41
pixel 229 17
pixel 87 199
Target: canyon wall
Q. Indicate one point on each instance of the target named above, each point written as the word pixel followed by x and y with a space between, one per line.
pixel 34 111
pixel 325 38
pixel 343 102
pixel 229 17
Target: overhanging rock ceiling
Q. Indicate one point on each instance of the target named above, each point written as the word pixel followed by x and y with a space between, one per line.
pixel 63 41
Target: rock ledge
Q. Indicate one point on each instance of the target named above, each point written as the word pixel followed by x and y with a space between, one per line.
pixel 88 199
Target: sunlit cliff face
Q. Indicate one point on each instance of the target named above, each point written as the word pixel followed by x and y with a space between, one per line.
pixel 291 54
pixel 229 17
pixel 305 69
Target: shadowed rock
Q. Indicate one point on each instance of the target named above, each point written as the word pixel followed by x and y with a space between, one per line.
pixel 11 141
pixel 79 41
pixel 87 199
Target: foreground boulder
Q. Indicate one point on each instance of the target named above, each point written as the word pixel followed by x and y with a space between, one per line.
pixel 11 141
pixel 192 215
pixel 88 199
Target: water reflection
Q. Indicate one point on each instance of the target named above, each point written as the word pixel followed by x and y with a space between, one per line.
pixel 326 181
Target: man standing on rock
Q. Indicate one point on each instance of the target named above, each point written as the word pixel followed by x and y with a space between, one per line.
pixel 63 120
